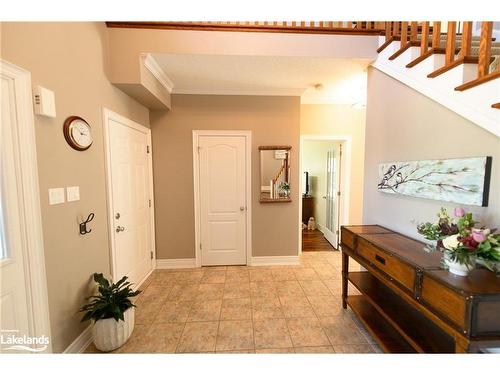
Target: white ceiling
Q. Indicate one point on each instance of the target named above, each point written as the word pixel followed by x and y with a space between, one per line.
pixel 343 80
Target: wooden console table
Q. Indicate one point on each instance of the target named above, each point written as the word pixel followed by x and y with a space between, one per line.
pixel 409 303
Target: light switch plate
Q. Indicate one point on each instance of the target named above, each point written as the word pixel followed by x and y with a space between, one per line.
pixel 56 196
pixel 73 193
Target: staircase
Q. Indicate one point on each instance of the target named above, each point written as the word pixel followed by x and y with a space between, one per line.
pixel 455 68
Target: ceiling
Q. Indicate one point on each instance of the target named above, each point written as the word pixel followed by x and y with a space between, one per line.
pixel 343 81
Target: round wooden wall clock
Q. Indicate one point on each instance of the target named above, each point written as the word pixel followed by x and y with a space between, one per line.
pixel 77 133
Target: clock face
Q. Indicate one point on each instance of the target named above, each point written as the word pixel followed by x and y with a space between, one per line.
pixel 77 133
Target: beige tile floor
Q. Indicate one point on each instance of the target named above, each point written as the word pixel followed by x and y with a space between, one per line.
pixel 278 309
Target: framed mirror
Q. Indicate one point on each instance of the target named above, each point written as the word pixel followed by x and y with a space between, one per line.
pixel 275 174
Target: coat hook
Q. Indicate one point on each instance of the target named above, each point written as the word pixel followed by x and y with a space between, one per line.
pixel 83 225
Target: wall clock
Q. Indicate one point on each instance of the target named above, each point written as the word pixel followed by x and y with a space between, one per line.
pixel 77 133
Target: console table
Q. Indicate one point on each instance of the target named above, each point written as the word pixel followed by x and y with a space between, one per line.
pixel 409 303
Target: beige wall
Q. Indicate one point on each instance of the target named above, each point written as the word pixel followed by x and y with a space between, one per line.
pixel 68 58
pixel 403 124
pixel 272 120
pixel 334 119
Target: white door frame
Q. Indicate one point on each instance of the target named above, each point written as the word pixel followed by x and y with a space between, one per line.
pixel 345 178
pixel 110 115
pixel 29 203
pixel 248 193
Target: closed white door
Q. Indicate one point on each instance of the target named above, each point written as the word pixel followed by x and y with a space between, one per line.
pixel 14 308
pixel 223 200
pixel 130 200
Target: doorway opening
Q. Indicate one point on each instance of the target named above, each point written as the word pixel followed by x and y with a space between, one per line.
pixel 324 201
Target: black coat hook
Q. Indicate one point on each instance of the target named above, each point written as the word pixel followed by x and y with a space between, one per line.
pixel 83 226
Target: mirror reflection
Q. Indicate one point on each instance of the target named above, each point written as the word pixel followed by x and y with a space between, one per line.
pixel 275 174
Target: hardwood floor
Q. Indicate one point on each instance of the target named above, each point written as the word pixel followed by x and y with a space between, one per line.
pixel 313 240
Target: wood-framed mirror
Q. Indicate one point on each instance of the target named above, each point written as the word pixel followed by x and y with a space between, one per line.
pixel 275 174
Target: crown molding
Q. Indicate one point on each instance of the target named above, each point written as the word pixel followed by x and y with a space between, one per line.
pixel 154 68
pixel 249 92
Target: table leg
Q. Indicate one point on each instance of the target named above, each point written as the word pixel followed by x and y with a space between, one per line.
pixel 345 270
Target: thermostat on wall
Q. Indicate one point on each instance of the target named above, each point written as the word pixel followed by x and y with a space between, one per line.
pixel 45 102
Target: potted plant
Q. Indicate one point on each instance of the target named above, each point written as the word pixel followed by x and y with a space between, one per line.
pixel 462 244
pixel 111 311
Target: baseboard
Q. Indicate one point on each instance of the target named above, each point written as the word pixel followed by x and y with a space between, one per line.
pixel 81 342
pixel 162 264
pixel 275 261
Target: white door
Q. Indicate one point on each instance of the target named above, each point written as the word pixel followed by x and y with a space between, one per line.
pixel 23 294
pixel 223 200
pixel 13 292
pixel 331 230
pixel 130 202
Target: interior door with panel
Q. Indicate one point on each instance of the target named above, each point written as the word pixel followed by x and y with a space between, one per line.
pixel 223 201
pixel 130 200
pixel 23 289
pixel 13 292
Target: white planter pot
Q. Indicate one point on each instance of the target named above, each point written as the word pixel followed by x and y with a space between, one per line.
pixel 457 268
pixel 110 334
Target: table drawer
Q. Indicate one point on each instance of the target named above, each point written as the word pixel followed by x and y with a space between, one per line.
pixel 443 300
pixel 347 238
pixel 399 271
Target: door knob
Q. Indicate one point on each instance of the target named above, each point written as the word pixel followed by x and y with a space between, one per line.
pixel 242 208
pixel 117 216
pixel 119 229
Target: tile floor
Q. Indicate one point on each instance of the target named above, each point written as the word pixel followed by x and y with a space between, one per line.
pixel 278 309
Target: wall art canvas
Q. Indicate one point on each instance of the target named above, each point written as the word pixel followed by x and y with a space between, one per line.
pixel 464 181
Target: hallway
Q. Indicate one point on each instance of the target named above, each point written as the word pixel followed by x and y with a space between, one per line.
pixel 239 309
pixel 313 240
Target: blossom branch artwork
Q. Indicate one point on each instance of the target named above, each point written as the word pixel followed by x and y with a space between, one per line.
pixel 464 181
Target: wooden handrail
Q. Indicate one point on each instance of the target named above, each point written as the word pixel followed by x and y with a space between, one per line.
pixel 313 27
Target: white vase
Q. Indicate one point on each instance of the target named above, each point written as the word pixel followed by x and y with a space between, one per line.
pixel 457 268
pixel 110 334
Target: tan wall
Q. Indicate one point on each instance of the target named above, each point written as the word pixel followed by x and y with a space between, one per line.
pixel 333 119
pixel 411 126
pixel 68 58
pixel 272 120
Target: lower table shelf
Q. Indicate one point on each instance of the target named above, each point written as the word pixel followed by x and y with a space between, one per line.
pixel 413 328
pixel 387 337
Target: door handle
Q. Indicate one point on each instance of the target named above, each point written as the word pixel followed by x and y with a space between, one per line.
pixel 242 208
pixel 119 229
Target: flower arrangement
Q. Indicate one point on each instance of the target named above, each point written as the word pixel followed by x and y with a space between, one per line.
pixel 462 242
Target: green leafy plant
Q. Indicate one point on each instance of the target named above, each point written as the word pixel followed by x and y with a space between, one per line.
pixel 111 302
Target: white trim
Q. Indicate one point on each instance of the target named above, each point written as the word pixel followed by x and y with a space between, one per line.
pixel 81 343
pixel 34 261
pixel 108 115
pixel 345 177
pixel 154 68
pixel 163 264
pixel 248 176
pixel 291 260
